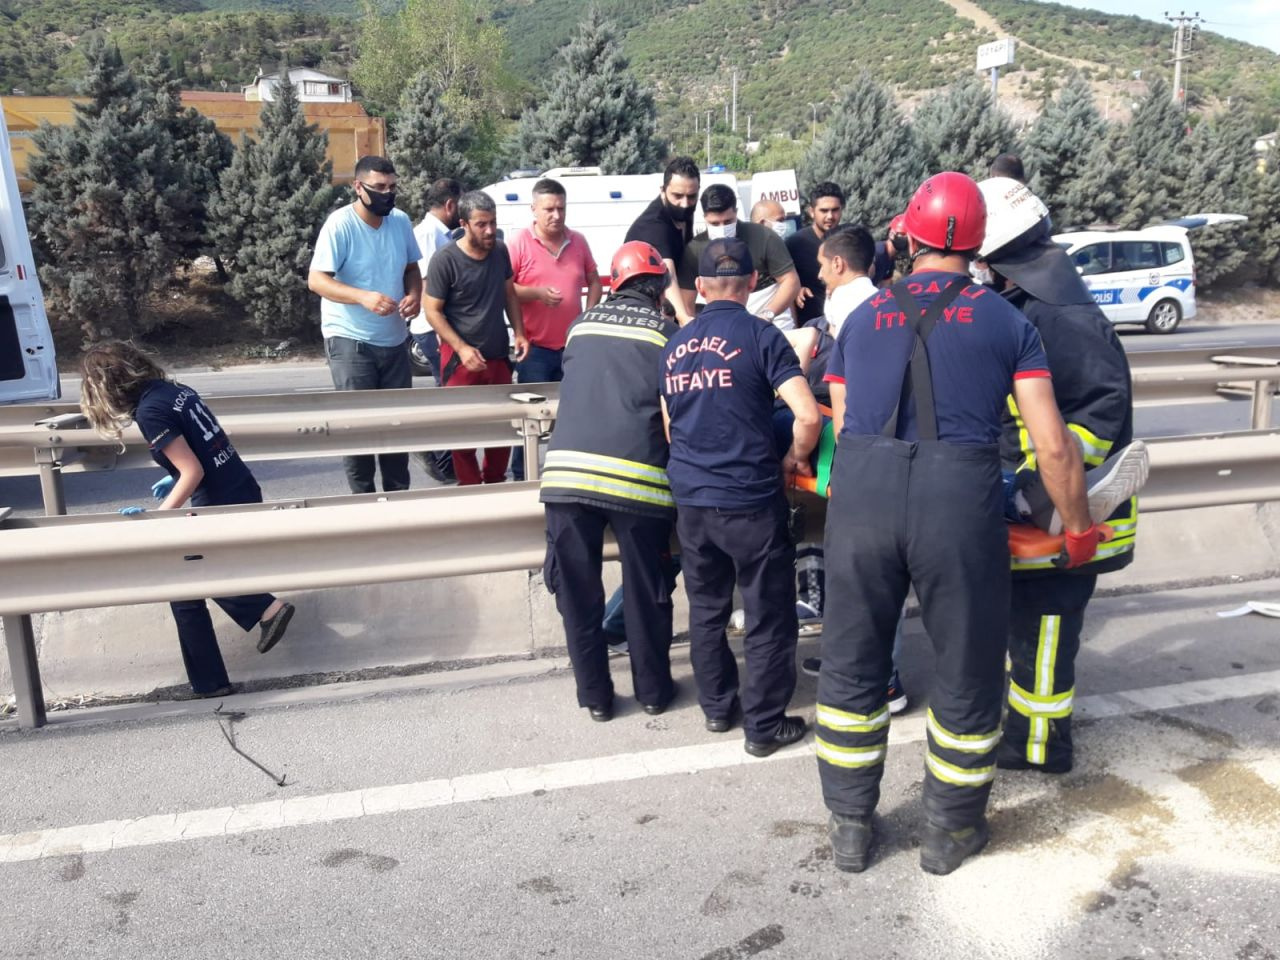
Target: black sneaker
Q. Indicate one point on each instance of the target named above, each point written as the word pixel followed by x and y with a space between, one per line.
pixel 223 691
pixel 791 730
pixel 273 629
pixel 811 666
pixel 851 842
pixel 942 850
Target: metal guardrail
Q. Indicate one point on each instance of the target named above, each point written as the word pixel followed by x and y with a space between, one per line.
pixel 291 426
pixel 97 560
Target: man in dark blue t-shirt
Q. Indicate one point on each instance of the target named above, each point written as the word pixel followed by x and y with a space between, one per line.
pixel 720 374
pixel 919 380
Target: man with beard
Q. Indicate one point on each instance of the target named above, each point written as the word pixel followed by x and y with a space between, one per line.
pixel 667 223
pixel 469 284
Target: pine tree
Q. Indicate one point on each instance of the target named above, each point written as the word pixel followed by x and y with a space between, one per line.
pixel 962 131
pixel 1097 192
pixel 595 111
pixel 869 151
pixel 427 142
pixel 1156 161
pixel 111 212
pixel 1058 147
pixel 1265 222
pixel 271 202
pixel 1223 179
pixel 202 151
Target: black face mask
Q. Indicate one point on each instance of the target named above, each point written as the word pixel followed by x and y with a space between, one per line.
pixel 899 245
pixel 379 204
pixel 678 214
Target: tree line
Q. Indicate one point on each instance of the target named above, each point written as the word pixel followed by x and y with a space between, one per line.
pixel 1159 165
pixel 139 186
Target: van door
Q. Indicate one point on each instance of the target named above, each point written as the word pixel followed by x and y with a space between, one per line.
pixel 1136 266
pixel 28 368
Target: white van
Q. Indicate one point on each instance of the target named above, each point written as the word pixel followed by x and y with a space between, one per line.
pixel 602 208
pixel 1143 276
pixel 28 368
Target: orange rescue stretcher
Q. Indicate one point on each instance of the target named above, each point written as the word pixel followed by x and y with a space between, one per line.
pixel 1026 541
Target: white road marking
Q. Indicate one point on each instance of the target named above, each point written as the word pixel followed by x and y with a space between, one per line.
pixel 519 781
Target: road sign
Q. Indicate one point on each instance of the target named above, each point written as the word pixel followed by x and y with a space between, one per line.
pixel 998 53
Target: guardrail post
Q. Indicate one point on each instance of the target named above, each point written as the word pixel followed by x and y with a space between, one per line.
pixel 20 639
pixel 1260 418
pixel 55 497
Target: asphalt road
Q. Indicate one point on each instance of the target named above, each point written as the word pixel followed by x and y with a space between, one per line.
pixel 101 492
pixel 480 814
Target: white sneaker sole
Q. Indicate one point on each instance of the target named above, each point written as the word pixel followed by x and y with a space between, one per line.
pixel 1125 476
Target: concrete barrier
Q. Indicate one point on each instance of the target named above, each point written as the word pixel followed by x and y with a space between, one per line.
pixel 131 650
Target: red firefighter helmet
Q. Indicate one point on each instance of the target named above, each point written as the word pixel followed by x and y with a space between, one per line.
pixel 898 224
pixel 947 213
pixel 635 258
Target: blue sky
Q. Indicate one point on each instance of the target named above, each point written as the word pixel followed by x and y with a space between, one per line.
pixel 1255 21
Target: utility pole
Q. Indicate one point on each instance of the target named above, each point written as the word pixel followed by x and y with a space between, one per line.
pixel 748 128
pixel 708 138
pixel 733 126
pixel 814 135
pixel 1184 29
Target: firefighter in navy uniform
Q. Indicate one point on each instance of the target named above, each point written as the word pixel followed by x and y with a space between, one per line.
pixel 720 376
pixel 606 465
pixel 1093 390
pixel 919 378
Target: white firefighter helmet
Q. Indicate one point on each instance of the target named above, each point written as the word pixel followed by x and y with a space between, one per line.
pixel 1013 212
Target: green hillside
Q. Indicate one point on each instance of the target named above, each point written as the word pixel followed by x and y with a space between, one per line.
pixel 789 53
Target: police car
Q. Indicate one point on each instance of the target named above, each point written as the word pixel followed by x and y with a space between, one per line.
pixel 28 370
pixel 1143 276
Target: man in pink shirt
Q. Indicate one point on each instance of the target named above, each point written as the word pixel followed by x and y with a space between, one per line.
pixel 550 265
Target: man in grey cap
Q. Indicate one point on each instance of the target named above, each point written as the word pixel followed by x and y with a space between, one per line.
pixel 720 374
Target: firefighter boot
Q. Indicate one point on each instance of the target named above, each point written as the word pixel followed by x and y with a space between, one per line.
pixel 942 850
pixel 851 842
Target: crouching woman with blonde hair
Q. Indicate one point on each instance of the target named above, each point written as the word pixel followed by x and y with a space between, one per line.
pixel 121 384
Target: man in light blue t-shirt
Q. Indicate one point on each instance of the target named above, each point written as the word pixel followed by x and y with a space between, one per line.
pixel 365 269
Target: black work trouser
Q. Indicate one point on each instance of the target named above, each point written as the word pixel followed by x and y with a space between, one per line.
pixel 575 543
pixel 1046 619
pixel 752 548
pixel 927 514
pixel 200 653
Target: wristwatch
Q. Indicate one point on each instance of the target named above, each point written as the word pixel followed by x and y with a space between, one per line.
pixel 766 314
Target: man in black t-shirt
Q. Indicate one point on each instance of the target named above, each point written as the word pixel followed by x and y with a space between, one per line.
pixel 469 285
pixel 667 223
pixel 776 281
pixel 825 210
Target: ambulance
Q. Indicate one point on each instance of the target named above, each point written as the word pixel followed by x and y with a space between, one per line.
pixel 28 368
pixel 602 208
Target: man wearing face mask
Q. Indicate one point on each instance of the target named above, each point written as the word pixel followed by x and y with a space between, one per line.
pixel 667 223
pixel 769 213
pixel 365 269
pixel 777 284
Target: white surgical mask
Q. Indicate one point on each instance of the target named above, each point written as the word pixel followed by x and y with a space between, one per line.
pixel 779 227
pixel 722 231
pixel 981 274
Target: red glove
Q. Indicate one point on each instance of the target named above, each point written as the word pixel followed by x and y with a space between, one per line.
pixel 1080 547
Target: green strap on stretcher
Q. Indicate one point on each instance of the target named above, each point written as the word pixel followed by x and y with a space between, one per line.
pixel 826 456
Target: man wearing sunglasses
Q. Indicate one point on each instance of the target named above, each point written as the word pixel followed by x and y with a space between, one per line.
pixel 365 269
